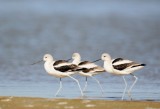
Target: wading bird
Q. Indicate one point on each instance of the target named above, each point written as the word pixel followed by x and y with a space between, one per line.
pixel 122 67
pixel 60 69
pixel 87 69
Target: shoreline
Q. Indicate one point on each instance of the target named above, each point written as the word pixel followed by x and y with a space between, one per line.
pixel 7 102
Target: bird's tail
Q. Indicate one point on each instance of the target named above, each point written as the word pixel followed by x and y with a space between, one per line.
pixel 143 64
pixel 138 65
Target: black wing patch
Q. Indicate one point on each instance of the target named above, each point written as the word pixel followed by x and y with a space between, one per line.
pixel 116 60
pixel 122 66
pixel 85 70
pixel 80 69
pixel 88 70
pixel 59 62
pixel 83 63
pixel 66 68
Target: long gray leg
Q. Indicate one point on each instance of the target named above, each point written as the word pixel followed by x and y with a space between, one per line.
pixel 85 86
pixel 129 91
pixel 77 83
pixel 60 87
pixel 124 91
pixel 102 91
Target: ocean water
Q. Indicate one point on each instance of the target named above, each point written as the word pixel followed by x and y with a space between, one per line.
pixel 30 29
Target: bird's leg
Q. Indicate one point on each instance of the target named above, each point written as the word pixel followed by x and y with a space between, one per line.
pixel 124 91
pixel 85 86
pixel 129 91
pixel 77 83
pixel 60 87
pixel 102 91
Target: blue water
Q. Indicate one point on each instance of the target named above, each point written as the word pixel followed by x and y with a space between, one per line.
pixel 29 29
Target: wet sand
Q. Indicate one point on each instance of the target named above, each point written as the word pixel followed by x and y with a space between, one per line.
pixel 44 103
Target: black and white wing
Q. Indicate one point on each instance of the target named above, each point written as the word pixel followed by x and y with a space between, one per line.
pixel 66 68
pixel 63 66
pixel 60 62
pixel 121 64
pixel 87 67
pixel 86 64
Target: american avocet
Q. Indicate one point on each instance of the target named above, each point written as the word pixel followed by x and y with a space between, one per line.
pixel 60 69
pixel 87 69
pixel 123 67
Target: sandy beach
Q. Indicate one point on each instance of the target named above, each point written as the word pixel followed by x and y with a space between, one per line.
pixel 44 103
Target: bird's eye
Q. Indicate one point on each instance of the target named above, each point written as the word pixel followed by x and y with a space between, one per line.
pixel 45 57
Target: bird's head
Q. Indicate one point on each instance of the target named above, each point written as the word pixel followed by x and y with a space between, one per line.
pixel 47 57
pixel 76 56
pixel 106 57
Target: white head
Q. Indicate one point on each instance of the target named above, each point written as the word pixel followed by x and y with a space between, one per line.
pixel 76 58
pixel 47 57
pixel 106 57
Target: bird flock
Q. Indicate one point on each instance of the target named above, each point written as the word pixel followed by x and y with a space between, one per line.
pixel 67 68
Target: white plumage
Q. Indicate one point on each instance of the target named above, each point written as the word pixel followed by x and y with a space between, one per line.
pixel 87 69
pixel 60 69
pixel 120 66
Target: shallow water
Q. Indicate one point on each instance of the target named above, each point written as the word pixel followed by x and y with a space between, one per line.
pixel 29 29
